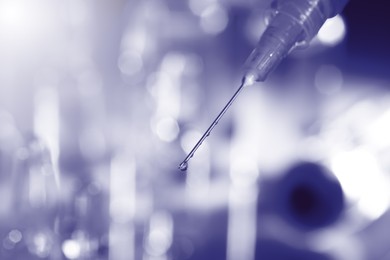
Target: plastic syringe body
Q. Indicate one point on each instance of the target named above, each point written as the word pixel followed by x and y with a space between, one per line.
pixel 294 22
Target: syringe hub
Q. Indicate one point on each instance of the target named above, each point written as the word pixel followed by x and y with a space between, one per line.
pixel 294 23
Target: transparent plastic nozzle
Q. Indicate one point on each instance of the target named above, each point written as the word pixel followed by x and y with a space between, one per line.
pixel 295 22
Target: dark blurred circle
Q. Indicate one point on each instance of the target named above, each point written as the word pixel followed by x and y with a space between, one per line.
pixel 309 197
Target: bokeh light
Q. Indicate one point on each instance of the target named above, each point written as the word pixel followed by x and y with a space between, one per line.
pixel 167 129
pixel 214 19
pixel 328 79
pixel 15 236
pixel 71 249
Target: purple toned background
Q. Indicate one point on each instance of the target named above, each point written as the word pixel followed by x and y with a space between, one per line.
pixel 101 100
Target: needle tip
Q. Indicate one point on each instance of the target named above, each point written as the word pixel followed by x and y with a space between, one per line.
pixel 183 166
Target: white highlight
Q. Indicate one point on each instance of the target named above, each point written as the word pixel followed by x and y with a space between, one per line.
pixel 333 31
pixel 71 249
pixel 378 132
pixel 23 21
pixel 362 181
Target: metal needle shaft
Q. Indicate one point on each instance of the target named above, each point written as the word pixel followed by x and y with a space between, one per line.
pixel 184 164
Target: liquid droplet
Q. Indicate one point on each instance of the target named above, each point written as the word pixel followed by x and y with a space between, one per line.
pixel 183 166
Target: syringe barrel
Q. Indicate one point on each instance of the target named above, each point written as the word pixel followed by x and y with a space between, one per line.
pixel 294 22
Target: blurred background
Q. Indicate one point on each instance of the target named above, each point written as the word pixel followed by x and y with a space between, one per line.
pixel 101 100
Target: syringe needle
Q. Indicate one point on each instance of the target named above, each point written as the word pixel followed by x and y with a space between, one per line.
pixel 245 81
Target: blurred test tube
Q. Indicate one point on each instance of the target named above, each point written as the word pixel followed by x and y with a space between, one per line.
pixel 122 233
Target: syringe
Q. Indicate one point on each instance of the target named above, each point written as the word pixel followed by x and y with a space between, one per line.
pixel 294 23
